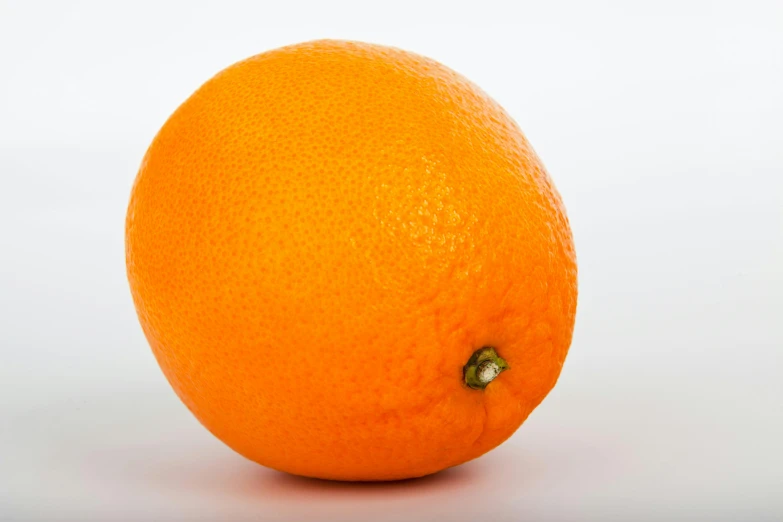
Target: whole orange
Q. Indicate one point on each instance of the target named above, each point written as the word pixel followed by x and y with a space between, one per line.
pixel 350 263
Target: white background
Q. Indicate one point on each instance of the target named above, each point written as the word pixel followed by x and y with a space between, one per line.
pixel 662 126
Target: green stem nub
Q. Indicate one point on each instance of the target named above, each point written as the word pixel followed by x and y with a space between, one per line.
pixel 483 367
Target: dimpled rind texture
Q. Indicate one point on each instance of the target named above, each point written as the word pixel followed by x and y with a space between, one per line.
pixel 320 237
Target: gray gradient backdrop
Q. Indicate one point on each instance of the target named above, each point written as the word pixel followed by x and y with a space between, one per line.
pixel 661 125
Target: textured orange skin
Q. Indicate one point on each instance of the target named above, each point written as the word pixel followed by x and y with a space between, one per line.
pixel 320 237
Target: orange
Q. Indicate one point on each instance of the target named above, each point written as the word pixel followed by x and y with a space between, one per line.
pixel 350 263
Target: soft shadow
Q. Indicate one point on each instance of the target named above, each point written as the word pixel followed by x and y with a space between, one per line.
pixel 229 475
pixel 290 486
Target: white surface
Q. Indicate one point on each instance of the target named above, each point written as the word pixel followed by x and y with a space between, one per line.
pixel 662 129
